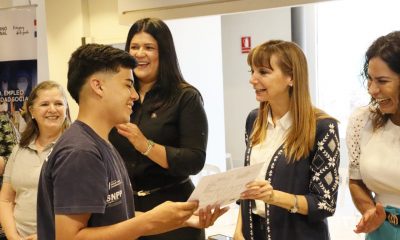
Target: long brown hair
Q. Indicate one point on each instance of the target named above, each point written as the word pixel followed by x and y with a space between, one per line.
pixel 32 129
pixel 291 60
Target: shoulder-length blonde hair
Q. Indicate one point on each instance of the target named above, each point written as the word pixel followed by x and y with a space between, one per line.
pixel 32 129
pixel 291 60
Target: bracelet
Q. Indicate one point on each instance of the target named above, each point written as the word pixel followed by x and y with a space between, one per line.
pixel 150 145
pixel 295 207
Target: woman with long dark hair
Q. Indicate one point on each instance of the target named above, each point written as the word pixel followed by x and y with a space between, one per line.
pixel 373 140
pixel 169 130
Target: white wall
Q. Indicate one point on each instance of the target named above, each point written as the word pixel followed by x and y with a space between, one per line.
pixel 239 99
pixel 133 10
pixel 97 21
pixel 64 32
pixel 68 21
pixel 62 24
pixel 198 46
pixel 104 26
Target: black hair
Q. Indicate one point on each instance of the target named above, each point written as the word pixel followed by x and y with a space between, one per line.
pixel 386 48
pixel 92 58
pixel 169 77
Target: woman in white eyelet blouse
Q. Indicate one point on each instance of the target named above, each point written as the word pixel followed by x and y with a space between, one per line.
pixel 373 140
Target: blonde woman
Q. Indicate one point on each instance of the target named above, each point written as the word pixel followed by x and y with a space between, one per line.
pixel 48 116
pixel 299 146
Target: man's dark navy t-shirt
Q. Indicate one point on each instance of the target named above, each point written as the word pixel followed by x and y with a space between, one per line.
pixel 83 174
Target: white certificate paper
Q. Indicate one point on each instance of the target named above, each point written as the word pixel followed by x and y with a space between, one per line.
pixel 224 188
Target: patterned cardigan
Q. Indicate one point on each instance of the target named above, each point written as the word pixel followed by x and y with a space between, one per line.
pixel 316 177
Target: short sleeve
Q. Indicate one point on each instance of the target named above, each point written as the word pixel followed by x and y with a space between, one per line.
pixel 357 123
pixel 80 183
pixel 10 165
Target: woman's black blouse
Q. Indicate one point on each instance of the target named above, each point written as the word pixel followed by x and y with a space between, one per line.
pixel 181 127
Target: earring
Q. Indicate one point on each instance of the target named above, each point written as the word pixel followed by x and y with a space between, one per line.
pixel 290 84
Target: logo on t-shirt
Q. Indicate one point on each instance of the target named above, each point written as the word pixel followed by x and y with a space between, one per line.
pixel 115 193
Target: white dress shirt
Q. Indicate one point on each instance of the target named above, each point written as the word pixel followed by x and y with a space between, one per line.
pixel 264 151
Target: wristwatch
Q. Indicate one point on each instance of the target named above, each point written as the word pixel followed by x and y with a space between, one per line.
pixel 295 207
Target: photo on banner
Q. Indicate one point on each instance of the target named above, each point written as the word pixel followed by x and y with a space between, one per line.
pixel 18 61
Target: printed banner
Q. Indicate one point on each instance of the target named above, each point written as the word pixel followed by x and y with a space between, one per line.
pixel 18 60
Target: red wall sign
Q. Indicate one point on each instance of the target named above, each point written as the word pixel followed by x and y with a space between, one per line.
pixel 246 44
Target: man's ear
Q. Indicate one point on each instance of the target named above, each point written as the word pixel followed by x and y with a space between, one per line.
pixel 96 85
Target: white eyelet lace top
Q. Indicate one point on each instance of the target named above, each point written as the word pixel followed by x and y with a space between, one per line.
pixel 374 157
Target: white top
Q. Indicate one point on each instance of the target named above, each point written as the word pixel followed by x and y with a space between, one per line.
pixel 264 151
pixel 22 172
pixel 375 156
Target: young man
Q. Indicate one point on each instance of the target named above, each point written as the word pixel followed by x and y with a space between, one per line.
pixel 84 188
